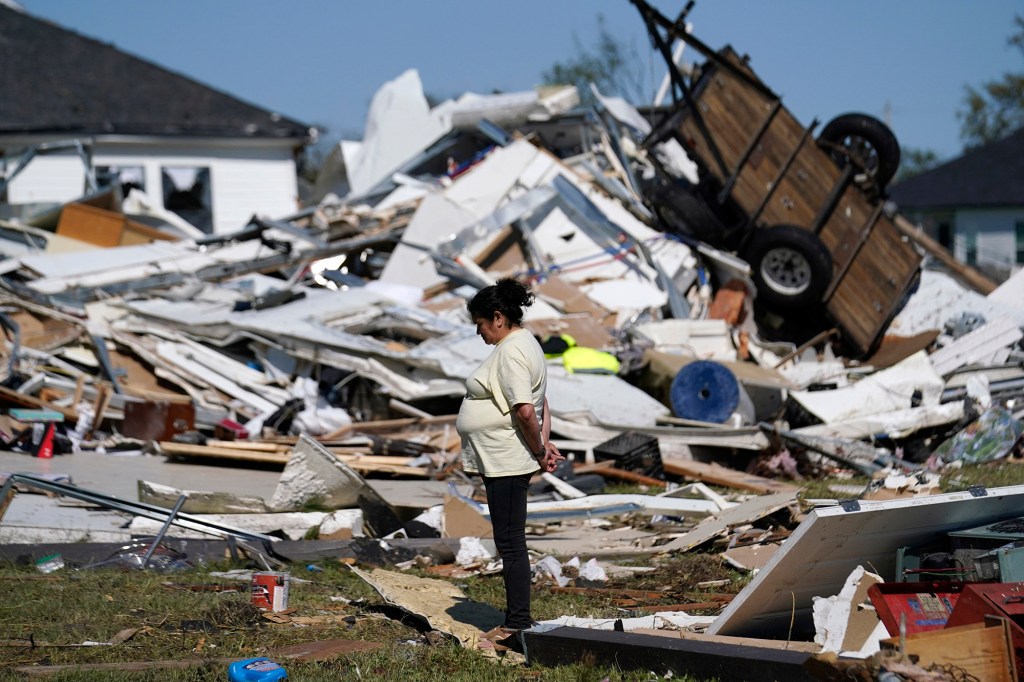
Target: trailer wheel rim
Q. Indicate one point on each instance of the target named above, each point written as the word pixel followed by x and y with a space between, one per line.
pixel 786 270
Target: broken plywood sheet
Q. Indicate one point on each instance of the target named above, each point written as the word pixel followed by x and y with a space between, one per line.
pixel 743 513
pixel 751 557
pixel 463 519
pixel 831 542
pixel 443 605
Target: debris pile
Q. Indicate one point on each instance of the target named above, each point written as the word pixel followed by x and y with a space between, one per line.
pixel 718 364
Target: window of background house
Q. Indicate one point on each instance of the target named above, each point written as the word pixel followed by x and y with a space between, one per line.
pixel 945 234
pixel 186 191
pixel 128 177
pixel 1019 239
pixel 972 248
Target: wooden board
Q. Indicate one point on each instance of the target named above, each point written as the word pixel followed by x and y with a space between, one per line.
pixel 716 474
pixel 631 651
pixel 984 652
pixel 365 464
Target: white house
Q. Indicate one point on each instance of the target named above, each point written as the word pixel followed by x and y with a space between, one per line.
pixel 79 105
pixel 974 205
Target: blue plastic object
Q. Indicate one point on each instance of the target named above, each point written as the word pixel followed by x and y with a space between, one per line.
pixel 256 670
pixel 704 391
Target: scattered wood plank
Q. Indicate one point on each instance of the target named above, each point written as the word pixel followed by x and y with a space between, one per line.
pixel 130 666
pixel 367 463
pixel 745 512
pixel 717 474
pixel 13 397
pixel 981 651
pixel 609 470
pixel 323 650
pixel 632 651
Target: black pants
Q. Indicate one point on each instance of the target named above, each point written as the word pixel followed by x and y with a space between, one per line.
pixel 506 500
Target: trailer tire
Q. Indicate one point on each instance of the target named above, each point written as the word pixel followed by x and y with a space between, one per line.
pixel 867 142
pixel 681 209
pixel 791 266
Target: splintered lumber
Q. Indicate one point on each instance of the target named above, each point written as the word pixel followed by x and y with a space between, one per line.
pixel 351 456
pixel 717 474
pixel 13 397
pixel 982 651
pixel 966 274
pixel 391 425
pixel 609 470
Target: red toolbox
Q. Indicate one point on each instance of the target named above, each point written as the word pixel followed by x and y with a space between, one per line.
pixel 927 606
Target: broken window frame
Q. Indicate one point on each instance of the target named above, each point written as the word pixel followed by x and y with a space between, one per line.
pixel 196 205
pixel 111 175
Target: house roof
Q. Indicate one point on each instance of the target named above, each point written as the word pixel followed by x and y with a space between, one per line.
pixel 57 81
pixel 989 176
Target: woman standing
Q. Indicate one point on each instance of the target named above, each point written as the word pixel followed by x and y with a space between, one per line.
pixel 504 424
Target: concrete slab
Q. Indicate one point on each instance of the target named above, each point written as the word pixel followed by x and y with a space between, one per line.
pixel 119 475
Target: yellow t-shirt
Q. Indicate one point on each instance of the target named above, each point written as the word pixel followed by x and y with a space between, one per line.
pixel 513 373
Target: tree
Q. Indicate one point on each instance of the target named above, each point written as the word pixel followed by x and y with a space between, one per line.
pixel 997 108
pixel 614 67
pixel 914 161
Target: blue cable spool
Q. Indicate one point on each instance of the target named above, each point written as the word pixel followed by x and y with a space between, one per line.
pixel 704 391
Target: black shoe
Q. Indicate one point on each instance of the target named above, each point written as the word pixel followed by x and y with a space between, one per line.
pixel 517 627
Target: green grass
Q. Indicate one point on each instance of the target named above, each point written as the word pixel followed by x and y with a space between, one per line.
pixel 68 607
pixel 64 609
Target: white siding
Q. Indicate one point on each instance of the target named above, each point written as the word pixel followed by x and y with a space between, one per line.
pixel 995 234
pixel 53 178
pixel 246 178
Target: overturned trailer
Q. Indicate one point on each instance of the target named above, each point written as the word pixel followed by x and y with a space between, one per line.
pixel 807 214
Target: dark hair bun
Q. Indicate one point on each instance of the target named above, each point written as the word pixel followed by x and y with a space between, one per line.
pixel 514 292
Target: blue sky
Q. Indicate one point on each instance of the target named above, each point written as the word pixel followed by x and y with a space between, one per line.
pixel 320 61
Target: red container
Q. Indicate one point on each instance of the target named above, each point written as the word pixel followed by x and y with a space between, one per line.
pixel 270 591
pixel 927 606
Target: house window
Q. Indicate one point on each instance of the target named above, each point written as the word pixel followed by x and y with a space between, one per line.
pixel 945 234
pixel 127 177
pixel 1019 239
pixel 972 248
pixel 186 191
